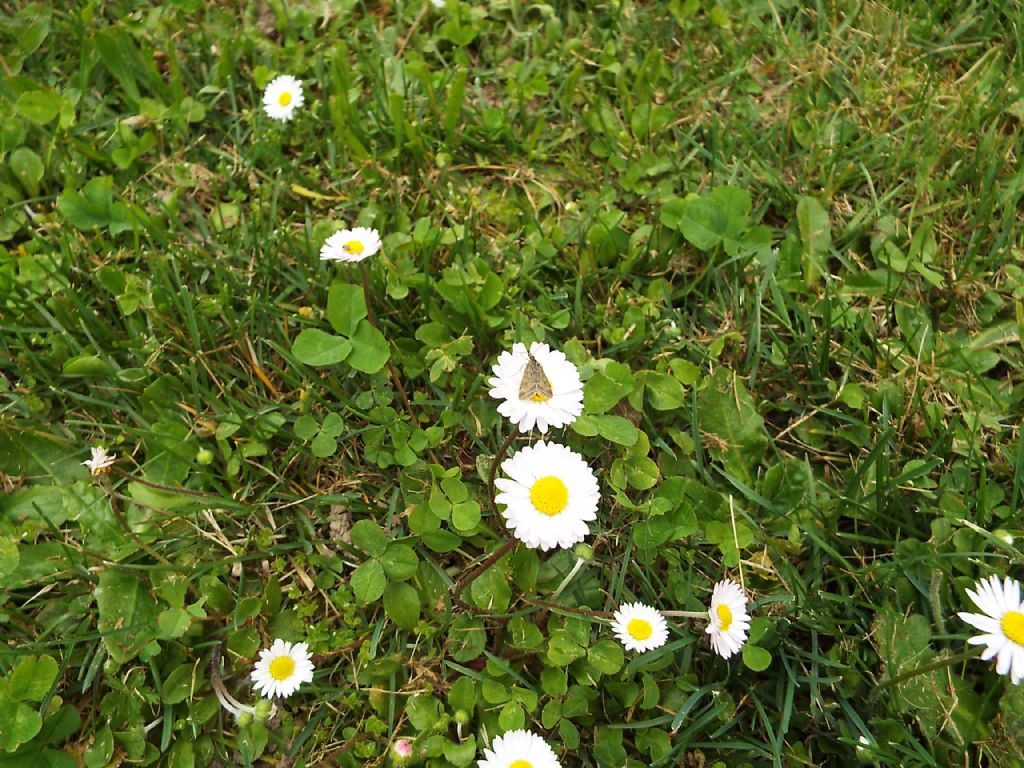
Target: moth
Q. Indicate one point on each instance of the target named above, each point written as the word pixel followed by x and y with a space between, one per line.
pixel 535 385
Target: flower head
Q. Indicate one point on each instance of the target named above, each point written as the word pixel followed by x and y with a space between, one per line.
pixel 282 97
pixel 639 627
pixel 1001 623
pixel 539 386
pixel 282 668
pixel 351 245
pixel 729 619
pixel 100 462
pixel 437 3
pixel 549 495
pixel 519 749
pixel 401 751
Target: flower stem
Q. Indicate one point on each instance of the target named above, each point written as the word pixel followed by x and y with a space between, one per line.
pixel 568 578
pixel 685 614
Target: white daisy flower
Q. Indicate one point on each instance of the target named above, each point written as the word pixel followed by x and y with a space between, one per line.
pixel 539 386
pixel 100 462
pixel 282 668
pixel 640 627
pixel 549 496
pixel 282 97
pixel 1001 623
pixel 351 245
pixel 729 619
pixel 519 749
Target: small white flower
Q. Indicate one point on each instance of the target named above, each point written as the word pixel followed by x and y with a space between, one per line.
pixel 282 668
pixel 282 97
pixel 437 3
pixel 539 386
pixel 729 619
pixel 549 496
pixel 640 627
pixel 100 462
pixel 351 245
pixel 1001 623
pixel 519 749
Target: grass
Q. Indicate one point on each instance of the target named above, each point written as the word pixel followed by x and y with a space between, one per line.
pixel 820 399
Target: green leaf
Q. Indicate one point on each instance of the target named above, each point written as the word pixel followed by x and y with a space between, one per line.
pixel 39 106
pixel 604 389
pixel 87 365
pixel 400 562
pixel 173 623
pixel 664 392
pixel 18 723
pixel 728 412
pixel 616 429
pixel 315 347
pixel 369 349
pixel 127 614
pixel 368 536
pixel 402 605
pixel 90 208
pixel 368 581
pixel 461 754
pixel 606 656
pixel 346 306
pixel 466 515
pixel 816 237
pixel 32 678
pixel 756 658
pixel 180 684
pixel 490 590
pixel 28 168
pixel 9 556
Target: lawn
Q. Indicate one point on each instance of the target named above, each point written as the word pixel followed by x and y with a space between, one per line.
pixel 781 243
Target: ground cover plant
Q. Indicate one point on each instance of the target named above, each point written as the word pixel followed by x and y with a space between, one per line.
pixel 778 242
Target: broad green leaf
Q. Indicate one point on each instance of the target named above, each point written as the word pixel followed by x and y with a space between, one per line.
pixel 127 614
pixel 816 237
pixel 606 656
pixel 490 590
pixel 664 392
pixel 368 536
pixel 756 657
pixel 462 753
pixel 400 562
pixel 28 168
pixel 181 683
pixel 604 390
pixel 90 208
pixel 369 349
pixel 173 623
pixel 368 581
pixel 315 347
pixel 616 430
pixel 18 723
pixel 402 605
pixel 346 306
pixel 39 106
pixel 87 365
pixel 9 557
pixel 728 413
pixel 32 678
pixel 465 515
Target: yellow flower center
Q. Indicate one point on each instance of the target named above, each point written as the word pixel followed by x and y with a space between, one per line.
pixel 724 618
pixel 549 495
pixel 539 398
pixel 284 99
pixel 282 667
pixel 354 246
pixel 521 764
pixel 1013 626
pixel 639 629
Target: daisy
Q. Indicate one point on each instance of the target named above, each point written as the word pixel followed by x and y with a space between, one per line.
pixel 100 462
pixel 539 386
pixel 282 97
pixel 401 751
pixel 351 245
pixel 549 495
pixel 519 749
pixel 282 668
pixel 640 627
pixel 729 619
pixel 1002 624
